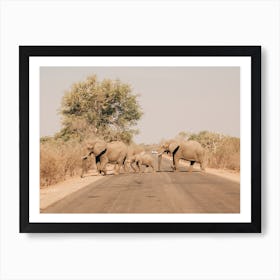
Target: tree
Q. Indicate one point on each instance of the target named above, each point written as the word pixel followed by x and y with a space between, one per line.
pixel 209 140
pixel 107 109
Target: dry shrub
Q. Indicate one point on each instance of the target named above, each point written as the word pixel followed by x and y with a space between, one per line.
pixel 226 155
pixel 50 169
pixel 59 160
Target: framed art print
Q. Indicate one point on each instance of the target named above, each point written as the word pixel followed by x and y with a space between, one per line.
pixel 140 138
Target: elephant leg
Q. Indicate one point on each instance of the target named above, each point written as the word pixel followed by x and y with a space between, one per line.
pixel 126 167
pixel 146 169
pixel 133 168
pixel 118 167
pixel 173 167
pixel 119 164
pixel 98 169
pixel 202 166
pixel 139 166
pixel 103 163
pixel 98 164
pixel 176 163
pixel 191 166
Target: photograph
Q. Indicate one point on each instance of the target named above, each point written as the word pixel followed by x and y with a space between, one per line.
pixel 139 140
pixel 160 136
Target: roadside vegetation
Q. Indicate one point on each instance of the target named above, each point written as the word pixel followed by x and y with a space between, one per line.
pixel 60 160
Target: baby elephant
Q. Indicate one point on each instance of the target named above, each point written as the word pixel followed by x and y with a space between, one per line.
pixel 142 159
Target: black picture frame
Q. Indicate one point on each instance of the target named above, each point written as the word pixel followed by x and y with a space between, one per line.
pixel 25 52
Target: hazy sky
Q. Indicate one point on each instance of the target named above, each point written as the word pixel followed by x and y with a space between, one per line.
pixel 173 99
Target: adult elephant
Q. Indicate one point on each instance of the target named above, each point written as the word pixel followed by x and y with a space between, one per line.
pixel 103 153
pixel 188 150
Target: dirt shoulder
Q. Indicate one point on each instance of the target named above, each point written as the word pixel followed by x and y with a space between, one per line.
pixel 54 193
pixel 225 173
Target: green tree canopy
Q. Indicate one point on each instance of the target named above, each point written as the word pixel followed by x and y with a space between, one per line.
pixel 107 109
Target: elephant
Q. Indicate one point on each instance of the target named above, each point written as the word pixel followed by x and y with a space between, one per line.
pixel 132 151
pixel 112 152
pixel 188 150
pixel 142 159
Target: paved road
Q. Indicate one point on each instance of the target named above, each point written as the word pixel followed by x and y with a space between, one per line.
pixel 160 192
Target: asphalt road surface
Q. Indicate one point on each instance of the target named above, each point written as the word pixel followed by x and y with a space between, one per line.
pixel 159 192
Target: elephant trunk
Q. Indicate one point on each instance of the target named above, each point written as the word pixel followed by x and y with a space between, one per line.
pixel 159 160
pixel 94 163
pixel 83 166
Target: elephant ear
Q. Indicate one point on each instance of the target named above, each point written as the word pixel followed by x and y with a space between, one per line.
pixel 99 147
pixel 173 147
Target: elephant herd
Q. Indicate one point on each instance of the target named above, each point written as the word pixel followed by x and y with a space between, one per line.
pixel 121 155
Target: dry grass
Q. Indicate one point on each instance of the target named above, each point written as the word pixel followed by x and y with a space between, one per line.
pixel 59 160
pixel 226 156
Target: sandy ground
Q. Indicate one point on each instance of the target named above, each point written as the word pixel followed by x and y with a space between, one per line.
pixel 54 193
pixel 227 174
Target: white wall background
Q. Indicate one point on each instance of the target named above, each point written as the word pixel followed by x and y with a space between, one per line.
pixel 136 256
